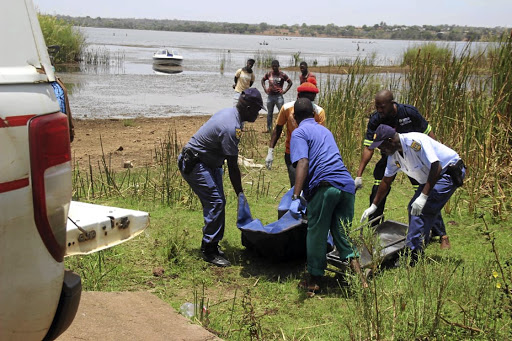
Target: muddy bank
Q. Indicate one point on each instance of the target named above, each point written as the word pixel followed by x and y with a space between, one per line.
pixel 134 140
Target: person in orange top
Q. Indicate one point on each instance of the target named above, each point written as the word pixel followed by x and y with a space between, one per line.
pixel 305 90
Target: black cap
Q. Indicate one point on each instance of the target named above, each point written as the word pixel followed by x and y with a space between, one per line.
pixel 252 95
pixel 382 133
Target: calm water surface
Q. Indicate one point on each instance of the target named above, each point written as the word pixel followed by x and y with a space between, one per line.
pixel 133 89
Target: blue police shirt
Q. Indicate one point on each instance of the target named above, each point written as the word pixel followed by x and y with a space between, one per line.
pixel 218 138
pixel 316 143
pixel 407 119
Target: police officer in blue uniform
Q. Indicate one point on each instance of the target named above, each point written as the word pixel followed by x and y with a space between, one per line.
pixel 405 119
pixel 201 161
pixel 438 169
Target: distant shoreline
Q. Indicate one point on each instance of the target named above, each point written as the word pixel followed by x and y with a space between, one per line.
pixel 373 32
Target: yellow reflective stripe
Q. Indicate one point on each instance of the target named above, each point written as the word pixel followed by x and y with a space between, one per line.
pixel 415 187
pixel 428 130
pixel 376 182
pixel 367 142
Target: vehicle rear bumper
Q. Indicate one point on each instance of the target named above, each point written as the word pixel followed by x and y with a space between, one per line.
pixel 68 305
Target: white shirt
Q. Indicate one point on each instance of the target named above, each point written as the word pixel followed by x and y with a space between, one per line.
pixel 419 152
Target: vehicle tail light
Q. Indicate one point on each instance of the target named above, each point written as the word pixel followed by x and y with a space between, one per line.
pixel 50 160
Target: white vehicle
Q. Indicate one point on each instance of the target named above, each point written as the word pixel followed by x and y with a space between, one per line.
pixel 38 297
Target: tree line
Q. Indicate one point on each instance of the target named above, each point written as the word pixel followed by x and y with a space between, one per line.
pixel 377 31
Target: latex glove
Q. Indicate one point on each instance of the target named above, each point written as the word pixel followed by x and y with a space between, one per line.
pixel 418 204
pixel 359 182
pixel 296 208
pixel 270 158
pixel 369 211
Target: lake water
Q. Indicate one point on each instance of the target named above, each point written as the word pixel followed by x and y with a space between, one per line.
pixel 132 88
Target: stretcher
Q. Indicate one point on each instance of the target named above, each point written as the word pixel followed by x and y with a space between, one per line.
pixel 285 239
pixel 390 239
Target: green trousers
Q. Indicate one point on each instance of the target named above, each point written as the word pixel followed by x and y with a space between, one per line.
pixel 329 210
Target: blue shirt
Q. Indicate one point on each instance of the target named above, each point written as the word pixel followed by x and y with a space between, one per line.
pixel 217 138
pixel 316 143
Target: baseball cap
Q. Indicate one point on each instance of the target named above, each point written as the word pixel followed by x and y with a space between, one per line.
pixel 382 133
pixel 307 87
pixel 252 95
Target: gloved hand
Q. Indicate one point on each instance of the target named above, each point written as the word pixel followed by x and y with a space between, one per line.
pixel 297 207
pixel 359 182
pixel 370 210
pixel 270 158
pixel 418 204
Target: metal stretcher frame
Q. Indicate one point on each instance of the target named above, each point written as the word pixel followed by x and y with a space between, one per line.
pixel 390 240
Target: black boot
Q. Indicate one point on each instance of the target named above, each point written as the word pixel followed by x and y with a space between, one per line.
pixel 219 251
pixel 212 254
pixel 415 256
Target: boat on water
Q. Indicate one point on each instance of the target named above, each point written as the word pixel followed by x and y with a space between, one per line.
pixel 167 57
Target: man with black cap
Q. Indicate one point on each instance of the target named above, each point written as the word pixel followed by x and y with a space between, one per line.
pixel 405 119
pixel 200 164
pixel 329 191
pixel 305 90
pixel 438 169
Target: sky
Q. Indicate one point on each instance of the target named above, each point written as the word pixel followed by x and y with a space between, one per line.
pixel 480 13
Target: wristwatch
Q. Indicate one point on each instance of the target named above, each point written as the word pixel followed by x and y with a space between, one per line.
pixel 295 197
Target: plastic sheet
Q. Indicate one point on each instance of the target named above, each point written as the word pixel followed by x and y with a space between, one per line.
pixel 284 239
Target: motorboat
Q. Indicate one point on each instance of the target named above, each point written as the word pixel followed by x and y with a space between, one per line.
pixel 167 57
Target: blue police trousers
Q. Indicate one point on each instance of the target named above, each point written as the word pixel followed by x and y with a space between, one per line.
pixel 207 183
pixel 438 228
pixel 420 226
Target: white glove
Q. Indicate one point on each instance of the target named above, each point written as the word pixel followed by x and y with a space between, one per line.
pixel 359 182
pixel 370 210
pixel 270 158
pixel 418 204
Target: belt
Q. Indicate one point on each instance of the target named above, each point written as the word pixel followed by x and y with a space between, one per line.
pixel 324 184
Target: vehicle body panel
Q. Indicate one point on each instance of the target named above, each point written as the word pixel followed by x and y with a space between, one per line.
pixel 93 228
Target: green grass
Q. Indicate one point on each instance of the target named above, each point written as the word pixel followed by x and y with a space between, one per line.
pixel 450 295
pixel 128 123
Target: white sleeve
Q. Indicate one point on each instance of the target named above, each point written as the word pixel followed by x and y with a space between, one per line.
pixel 391 167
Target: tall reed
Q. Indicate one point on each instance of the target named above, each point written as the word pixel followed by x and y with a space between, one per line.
pixel 470 112
pixel 264 58
pixel 347 101
pixel 468 108
pixel 160 182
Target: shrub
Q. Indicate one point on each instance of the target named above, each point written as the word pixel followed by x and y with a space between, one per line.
pixel 58 32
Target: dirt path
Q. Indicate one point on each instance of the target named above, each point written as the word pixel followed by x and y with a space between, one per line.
pixel 127 140
pixel 131 140
pixel 127 316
